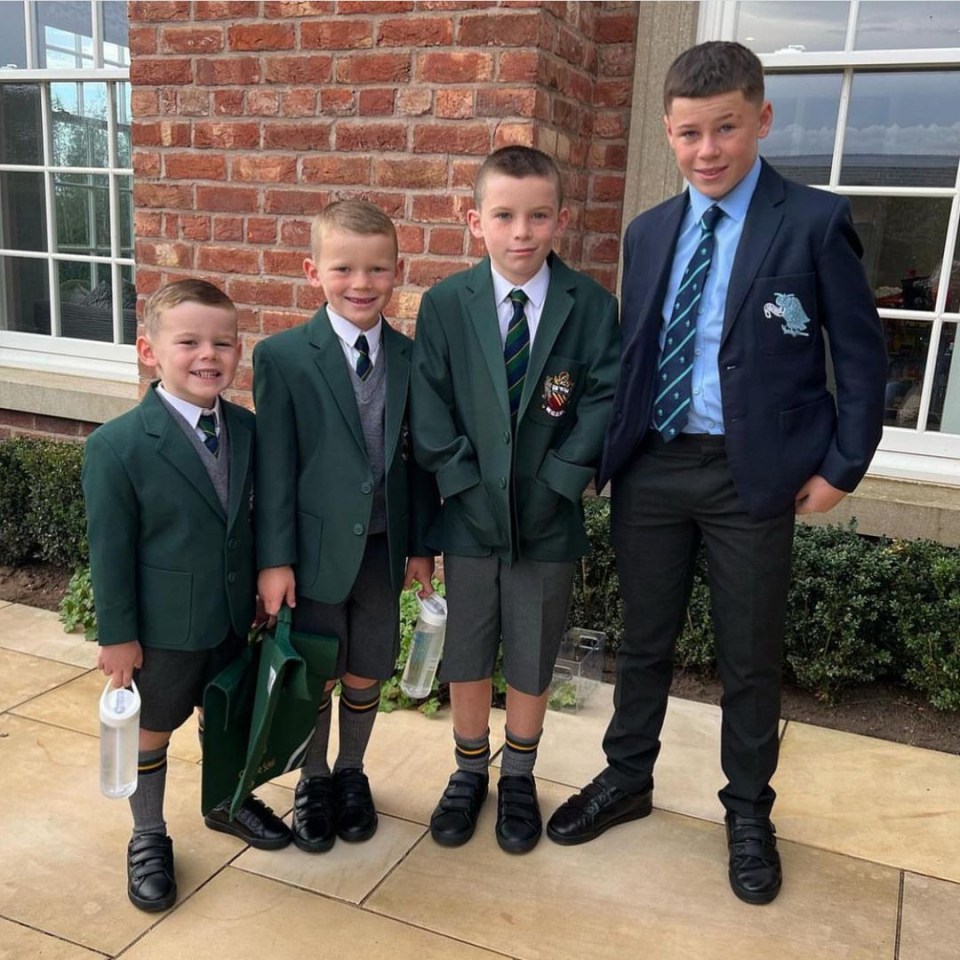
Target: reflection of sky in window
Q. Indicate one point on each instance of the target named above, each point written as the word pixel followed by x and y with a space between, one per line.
pixel 894 23
pixel 13 47
pixel 804 114
pixel 768 27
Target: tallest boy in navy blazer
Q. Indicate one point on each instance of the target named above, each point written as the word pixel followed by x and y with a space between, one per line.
pixel 723 430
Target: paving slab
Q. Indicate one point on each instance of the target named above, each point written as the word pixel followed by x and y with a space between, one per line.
pixel 40 633
pixel 23 677
pixel 930 924
pixel 19 943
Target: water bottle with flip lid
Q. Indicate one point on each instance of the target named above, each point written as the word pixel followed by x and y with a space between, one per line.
pixel 426 647
pixel 119 740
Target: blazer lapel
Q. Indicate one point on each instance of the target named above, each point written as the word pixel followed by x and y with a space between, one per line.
pixel 333 368
pixel 175 448
pixel 240 440
pixel 761 225
pixel 481 308
pixel 396 350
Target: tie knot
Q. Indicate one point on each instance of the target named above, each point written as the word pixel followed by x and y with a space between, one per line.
pixel 208 422
pixel 710 218
pixel 518 296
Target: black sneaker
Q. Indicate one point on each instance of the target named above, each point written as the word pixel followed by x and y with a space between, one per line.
pixel 455 817
pixel 151 884
pixel 356 814
pixel 255 823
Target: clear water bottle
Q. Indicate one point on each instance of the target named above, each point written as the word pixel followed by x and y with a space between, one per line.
pixel 425 647
pixel 119 740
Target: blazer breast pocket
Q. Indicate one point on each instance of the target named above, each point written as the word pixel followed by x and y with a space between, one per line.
pixel 784 310
pixel 554 398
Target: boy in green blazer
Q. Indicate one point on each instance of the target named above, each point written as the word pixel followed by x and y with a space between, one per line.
pixel 168 490
pixel 340 504
pixel 515 365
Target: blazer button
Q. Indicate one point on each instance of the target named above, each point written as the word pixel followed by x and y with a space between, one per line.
pixel 232 544
pixel 506 436
pixel 503 483
pixel 231 578
pixel 358 529
pixel 366 487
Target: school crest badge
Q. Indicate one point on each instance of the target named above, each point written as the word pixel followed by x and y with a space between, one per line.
pixel 789 309
pixel 557 388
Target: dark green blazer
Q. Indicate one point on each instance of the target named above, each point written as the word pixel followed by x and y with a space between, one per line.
pixel 170 568
pixel 513 496
pixel 314 480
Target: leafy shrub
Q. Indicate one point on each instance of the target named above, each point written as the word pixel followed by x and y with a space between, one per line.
pixel 15 539
pixel 76 607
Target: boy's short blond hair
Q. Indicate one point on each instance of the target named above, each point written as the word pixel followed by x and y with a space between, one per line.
pixel 173 294
pixel 518 161
pixel 353 216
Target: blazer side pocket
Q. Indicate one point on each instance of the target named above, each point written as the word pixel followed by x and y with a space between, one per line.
pixel 166 606
pixel 309 533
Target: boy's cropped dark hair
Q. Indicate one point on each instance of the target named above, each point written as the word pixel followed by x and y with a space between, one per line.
pixel 517 161
pixel 181 291
pixel 708 69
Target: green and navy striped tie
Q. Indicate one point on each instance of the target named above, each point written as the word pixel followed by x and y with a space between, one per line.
pixel 516 350
pixel 208 427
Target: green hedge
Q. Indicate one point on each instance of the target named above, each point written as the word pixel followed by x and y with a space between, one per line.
pixel 41 502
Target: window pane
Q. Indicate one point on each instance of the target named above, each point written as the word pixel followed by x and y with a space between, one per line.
pixel 86 301
pixel 64 35
pixel 903 25
pixel 26 295
pixel 79 124
pixel 83 214
pixel 21 137
pixel 805 106
pixel 23 225
pixel 125 197
pixel 903 239
pixel 116 52
pixel 945 399
pixel 792 27
pixel 13 44
pixel 907 343
pixel 903 129
pixel 124 155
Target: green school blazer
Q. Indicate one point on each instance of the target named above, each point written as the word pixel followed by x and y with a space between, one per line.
pixel 314 480
pixel 503 494
pixel 170 567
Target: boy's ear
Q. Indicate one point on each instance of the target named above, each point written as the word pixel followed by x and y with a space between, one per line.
pixel 473 222
pixel 398 273
pixel 145 352
pixel 766 119
pixel 310 271
pixel 563 218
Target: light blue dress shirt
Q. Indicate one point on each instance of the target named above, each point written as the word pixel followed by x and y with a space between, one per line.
pixel 706 407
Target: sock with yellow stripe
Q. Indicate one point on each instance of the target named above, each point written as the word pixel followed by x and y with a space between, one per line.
pixel 358 712
pixel 146 802
pixel 315 763
pixel 519 755
pixel 473 755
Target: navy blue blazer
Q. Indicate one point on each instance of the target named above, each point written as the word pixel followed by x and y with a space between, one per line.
pixel 796 276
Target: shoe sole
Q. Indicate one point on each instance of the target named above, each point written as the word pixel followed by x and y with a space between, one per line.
pixel 445 840
pixel 568 841
pixel 277 844
pixel 152 906
pixel 508 846
pixel 756 899
pixel 313 847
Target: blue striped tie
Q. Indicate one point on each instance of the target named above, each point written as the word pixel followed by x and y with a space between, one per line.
pixel 364 366
pixel 208 427
pixel 671 407
pixel 516 350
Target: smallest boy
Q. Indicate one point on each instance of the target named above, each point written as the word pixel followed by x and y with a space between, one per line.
pixel 168 489
pixel 515 365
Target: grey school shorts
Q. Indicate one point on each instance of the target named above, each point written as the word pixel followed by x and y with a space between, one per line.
pixel 367 622
pixel 171 682
pixel 524 604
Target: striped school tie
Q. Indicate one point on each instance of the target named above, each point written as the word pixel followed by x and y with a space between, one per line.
pixel 516 350
pixel 364 366
pixel 208 427
pixel 671 407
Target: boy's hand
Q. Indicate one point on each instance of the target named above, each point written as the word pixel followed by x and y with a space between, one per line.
pixel 119 660
pixel 276 586
pixel 421 570
pixel 817 496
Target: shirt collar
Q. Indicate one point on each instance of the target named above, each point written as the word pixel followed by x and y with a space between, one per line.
pixel 735 203
pixel 535 288
pixel 348 333
pixel 189 411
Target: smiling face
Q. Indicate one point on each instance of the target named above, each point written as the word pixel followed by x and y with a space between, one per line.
pixel 195 350
pixel 715 139
pixel 518 220
pixel 357 273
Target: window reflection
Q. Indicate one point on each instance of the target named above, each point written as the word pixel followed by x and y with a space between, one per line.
pixel 800 143
pixel 907 347
pixel 793 26
pixel 13 46
pixel 903 129
pixel 80 124
pixel 890 25
pixel 64 35
pixel 20 127
pixel 945 399
pixel 26 286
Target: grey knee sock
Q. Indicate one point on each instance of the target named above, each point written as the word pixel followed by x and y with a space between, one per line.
pixel 146 802
pixel 315 764
pixel 472 755
pixel 519 755
pixel 358 713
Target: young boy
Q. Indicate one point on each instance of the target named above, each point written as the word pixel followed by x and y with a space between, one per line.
pixel 167 489
pixel 723 430
pixel 340 505
pixel 515 363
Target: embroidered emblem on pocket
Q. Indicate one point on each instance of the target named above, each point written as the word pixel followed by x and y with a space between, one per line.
pixel 556 392
pixel 789 309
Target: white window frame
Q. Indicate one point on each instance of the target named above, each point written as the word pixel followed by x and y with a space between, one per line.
pixel 51 353
pixel 908 453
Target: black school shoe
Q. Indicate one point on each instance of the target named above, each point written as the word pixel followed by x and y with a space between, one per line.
pixel 356 814
pixel 455 817
pixel 597 807
pixel 151 884
pixel 315 814
pixel 519 823
pixel 755 873
pixel 255 823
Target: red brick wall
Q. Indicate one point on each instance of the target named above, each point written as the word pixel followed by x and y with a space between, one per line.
pixel 250 116
pixel 16 423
